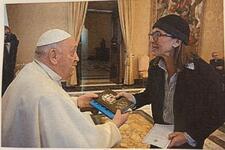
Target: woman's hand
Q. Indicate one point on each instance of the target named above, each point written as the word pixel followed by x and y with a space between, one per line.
pixel 129 96
pixel 177 139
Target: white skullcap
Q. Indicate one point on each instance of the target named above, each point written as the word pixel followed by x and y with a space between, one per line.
pixel 52 36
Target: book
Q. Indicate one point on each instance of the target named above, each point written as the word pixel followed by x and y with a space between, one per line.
pixel 108 104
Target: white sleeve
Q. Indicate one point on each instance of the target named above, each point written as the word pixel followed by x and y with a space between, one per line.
pixel 190 140
pixel 134 99
pixel 74 99
pixel 63 125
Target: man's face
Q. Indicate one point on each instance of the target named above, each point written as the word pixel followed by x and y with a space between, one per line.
pixel 67 57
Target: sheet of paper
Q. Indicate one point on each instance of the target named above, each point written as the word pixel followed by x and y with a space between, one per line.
pixel 158 135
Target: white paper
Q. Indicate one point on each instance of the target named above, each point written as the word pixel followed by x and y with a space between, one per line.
pixel 158 135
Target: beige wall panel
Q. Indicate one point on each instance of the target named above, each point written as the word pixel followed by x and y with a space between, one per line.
pixel 212 35
pixel 28 21
pixel 141 30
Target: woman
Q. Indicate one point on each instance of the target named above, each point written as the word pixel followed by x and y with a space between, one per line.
pixel 182 89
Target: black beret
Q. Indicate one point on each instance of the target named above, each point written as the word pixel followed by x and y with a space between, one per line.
pixel 174 25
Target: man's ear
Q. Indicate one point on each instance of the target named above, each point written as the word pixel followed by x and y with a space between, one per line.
pixel 176 43
pixel 52 55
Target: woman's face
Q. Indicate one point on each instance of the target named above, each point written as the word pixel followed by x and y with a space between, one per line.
pixel 162 44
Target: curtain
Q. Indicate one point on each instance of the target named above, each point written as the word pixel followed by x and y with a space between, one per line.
pixel 125 8
pixel 224 32
pixel 76 16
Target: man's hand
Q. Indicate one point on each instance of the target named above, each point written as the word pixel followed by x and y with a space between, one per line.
pixel 129 96
pixel 119 119
pixel 177 139
pixel 84 100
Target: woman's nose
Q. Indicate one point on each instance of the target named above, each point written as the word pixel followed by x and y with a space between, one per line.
pixel 152 39
pixel 76 58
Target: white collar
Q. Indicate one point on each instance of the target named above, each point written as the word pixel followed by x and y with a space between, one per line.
pixel 190 66
pixel 162 65
pixel 53 75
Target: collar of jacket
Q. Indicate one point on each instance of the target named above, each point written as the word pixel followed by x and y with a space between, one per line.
pixel 158 60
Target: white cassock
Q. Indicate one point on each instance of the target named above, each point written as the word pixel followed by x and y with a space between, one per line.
pixel 37 112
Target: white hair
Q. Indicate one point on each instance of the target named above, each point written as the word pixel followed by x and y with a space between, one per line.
pixel 41 51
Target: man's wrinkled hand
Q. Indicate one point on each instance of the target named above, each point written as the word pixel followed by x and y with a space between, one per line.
pixel 119 119
pixel 84 100
pixel 177 139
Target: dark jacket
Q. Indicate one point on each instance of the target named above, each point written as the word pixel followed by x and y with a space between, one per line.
pixel 218 65
pixel 9 60
pixel 198 99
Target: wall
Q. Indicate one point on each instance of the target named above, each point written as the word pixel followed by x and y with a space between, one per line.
pixel 28 21
pixel 212 35
pixel 141 29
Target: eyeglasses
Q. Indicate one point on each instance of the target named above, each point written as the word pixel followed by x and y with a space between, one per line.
pixel 155 35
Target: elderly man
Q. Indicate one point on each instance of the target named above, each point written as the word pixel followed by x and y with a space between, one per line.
pixel 37 112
